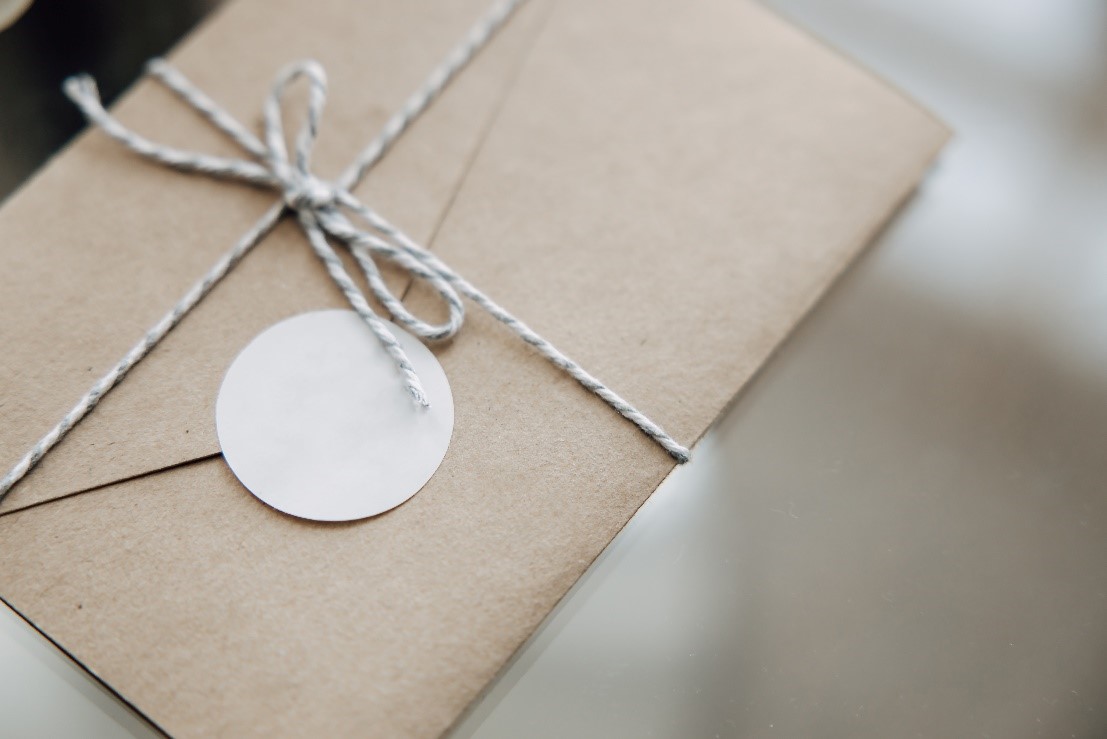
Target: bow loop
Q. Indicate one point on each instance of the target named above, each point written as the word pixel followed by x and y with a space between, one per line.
pixel 300 188
pixel 309 130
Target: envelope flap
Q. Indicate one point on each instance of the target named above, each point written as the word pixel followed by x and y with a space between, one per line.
pixel 99 245
pixel 671 204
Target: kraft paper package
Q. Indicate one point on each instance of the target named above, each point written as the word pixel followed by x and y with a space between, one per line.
pixel 661 189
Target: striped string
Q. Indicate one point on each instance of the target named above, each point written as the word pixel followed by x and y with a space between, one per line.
pixel 327 212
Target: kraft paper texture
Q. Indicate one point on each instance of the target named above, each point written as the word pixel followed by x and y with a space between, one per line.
pixel 661 189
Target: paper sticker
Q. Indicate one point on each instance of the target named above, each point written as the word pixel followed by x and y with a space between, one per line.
pixel 314 420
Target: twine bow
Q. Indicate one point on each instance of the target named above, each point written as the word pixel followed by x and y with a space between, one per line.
pixel 323 209
pixel 327 213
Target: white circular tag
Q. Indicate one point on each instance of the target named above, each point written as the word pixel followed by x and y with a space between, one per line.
pixel 314 420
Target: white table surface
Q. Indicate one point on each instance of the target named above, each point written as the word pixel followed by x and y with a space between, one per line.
pixel 900 529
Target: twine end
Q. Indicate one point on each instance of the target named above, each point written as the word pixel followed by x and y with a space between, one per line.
pixel 156 66
pixel 419 396
pixel 80 87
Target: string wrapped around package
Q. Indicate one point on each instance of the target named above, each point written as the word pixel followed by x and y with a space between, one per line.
pixel 330 216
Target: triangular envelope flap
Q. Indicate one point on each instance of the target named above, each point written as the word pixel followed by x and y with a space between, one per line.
pixel 666 206
pixel 100 244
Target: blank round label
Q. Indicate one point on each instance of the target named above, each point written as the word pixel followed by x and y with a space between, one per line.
pixel 314 419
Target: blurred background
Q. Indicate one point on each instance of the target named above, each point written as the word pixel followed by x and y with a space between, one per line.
pixel 52 39
pixel 900 528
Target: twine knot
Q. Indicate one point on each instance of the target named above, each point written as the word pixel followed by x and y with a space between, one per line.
pixel 307 192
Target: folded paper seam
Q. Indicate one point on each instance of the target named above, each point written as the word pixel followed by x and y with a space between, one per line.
pixel 321 209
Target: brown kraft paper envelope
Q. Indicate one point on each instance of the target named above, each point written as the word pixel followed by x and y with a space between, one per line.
pixel 661 189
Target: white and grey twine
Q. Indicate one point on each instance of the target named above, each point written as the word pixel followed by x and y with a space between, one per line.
pixel 321 209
